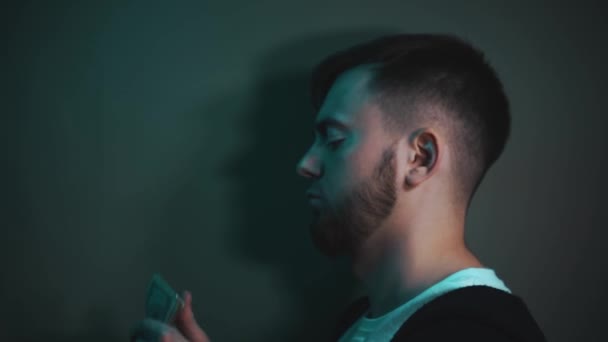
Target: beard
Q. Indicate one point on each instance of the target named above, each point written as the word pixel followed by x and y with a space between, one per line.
pixel 342 229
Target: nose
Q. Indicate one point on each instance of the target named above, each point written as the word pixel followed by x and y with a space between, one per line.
pixel 309 166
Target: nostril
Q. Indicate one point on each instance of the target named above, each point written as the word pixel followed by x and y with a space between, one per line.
pixel 300 171
pixel 305 173
pixel 308 167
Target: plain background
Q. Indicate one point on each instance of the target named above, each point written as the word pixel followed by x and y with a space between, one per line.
pixel 142 137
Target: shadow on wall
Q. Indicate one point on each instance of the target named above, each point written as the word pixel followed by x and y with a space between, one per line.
pixel 274 215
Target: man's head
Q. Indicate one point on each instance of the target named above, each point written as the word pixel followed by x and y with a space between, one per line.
pixel 398 117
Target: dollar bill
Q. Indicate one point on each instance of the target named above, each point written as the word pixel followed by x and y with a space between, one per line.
pixel 162 302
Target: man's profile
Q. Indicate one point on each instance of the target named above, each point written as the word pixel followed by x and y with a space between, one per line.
pixel 406 128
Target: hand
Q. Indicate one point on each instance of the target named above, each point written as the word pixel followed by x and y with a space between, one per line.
pixel 186 329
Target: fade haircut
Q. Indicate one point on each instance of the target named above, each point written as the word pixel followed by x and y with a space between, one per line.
pixel 431 79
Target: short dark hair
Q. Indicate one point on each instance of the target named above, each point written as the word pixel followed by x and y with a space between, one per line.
pixel 442 71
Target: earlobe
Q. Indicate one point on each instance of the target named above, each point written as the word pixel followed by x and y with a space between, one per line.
pixel 408 183
pixel 416 176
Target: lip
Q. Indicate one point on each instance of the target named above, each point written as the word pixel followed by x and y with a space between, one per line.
pixel 312 194
pixel 314 198
pixel 315 202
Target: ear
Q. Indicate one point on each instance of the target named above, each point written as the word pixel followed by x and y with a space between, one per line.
pixel 422 158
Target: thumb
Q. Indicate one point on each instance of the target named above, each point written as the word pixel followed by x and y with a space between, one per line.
pixel 186 323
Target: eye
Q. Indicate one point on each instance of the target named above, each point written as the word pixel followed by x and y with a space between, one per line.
pixel 334 144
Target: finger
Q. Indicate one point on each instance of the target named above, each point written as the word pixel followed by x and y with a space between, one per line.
pixel 185 317
pixel 186 312
pixel 150 330
pixel 186 322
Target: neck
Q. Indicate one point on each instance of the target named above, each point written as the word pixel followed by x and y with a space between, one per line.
pixel 399 262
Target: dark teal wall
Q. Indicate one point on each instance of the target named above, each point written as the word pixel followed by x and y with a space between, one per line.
pixel 146 136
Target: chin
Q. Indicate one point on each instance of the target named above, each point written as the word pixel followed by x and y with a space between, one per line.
pixel 328 240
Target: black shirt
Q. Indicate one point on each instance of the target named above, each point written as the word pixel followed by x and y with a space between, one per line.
pixel 472 313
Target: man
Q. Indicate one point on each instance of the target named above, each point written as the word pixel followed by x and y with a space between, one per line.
pixel 407 126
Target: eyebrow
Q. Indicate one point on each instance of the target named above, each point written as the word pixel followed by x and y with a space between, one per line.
pixel 324 124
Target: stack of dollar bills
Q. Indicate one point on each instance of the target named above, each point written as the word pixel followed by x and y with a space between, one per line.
pixel 162 302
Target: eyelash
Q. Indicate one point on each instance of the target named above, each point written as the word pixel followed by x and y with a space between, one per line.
pixel 334 144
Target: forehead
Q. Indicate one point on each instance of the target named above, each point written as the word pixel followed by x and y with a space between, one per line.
pixel 347 96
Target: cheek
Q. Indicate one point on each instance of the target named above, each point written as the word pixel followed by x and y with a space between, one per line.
pixel 355 170
pixel 338 177
pixel 346 172
pixel 362 160
pixel 354 163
